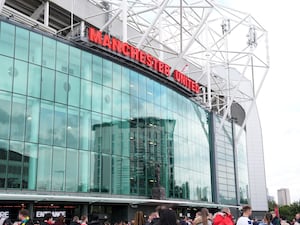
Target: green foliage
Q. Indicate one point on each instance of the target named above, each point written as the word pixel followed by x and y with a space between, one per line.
pixel 289 211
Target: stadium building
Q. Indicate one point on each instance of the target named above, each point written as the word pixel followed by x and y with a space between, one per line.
pixel 104 102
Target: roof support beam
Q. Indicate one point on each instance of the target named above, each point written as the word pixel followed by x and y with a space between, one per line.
pixel 158 15
pixel 38 12
pixel 1 4
pixel 46 14
pixel 192 39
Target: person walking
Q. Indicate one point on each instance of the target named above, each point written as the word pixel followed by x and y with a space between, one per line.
pixel 75 221
pixel 275 220
pixel 244 219
pixel 84 220
pixel 48 219
pixel 223 218
pixel 24 217
pixel 267 219
pixel 139 218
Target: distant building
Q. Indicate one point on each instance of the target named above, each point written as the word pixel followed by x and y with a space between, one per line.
pixel 284 197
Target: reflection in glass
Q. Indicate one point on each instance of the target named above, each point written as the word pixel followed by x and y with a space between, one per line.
pixel 62 57
pixel 72 170
pixel 35 48
pixel 22 43
pixel 48 78
pixel 58 169
pixel 7 34
pixel 18 118
pixel 3 162
pixel 34 80
pixel 32 120
pixel 46 123
pixel 15 164
pixel 7 73
pixel 30 166
pixel 49 47
pixel 44 168
pixel 20 77
pixel 5 114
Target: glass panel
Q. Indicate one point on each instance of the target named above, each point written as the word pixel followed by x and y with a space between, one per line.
pixel 7 39
pixel 85 129
pixel 84 171
pixel 3 162
pixel 125 177
pixel 46 123
pixel 20 77
pixel 116 185
pixel 134 83
pixel 15 164
pixel 74 91
pixel 86 65
pixel 62 57
pixel 97 98
pixel 125 106
pixel 22 43
pixel 30 166
pixel 32 120
pixel 58 169
pixel 97 69
pixel 74 65
pixel 18 118
pixel 125 79
pixel 49 46
pixel 5 114
pixel 72 170
pixel 73 128
pixel 61 87
pixel 105 174
pixel 35 48
pixel 117 104
pixel 44 168
pixel 117 76
pixel 7 73
pixel 86 89
pixel 34 80
pixel 60 125
pixel 106 135
pixel 48 78
pixel 107 73
pixel 106 101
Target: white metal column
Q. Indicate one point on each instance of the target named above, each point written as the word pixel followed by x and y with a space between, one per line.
pixel 124 15
pixel 46 14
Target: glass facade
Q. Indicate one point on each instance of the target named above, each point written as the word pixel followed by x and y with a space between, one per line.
pixel 225 162
pixel 72 121
pixel 242 166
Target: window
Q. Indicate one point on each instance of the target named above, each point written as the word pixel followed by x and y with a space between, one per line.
pixel 22 44
pixel 5 114
pixel 62 57
pixel 34 81
pixel 6 65
pixel 18 118
pixel 44 168
pixel 46 123
pixel 62 87
pixel 7 38
pixel 49 47
pixel 32 120
pixel 20 77
pixel 35 48
pixel 48 78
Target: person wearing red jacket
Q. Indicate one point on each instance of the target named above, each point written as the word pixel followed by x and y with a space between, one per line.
pixel 223 218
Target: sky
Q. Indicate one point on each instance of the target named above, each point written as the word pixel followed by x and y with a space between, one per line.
pixel 279 99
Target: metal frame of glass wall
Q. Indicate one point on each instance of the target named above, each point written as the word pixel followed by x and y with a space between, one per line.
pixel 73 121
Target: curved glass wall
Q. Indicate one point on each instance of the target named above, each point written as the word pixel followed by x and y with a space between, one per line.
pixel 225 163
pixel 71 121
pixel 242 166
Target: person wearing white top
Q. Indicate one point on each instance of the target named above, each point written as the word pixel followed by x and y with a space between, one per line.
pixel 244 219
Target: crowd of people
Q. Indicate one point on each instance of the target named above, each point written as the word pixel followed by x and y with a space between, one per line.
pixel 164 216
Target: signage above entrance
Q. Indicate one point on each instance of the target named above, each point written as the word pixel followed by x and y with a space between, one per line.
pixel 140 56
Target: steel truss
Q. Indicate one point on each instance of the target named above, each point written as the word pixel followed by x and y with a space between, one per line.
pixel 221 48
